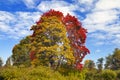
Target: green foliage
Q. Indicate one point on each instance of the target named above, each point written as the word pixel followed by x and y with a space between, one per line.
pixel 100 64
pixel 113 61
pixel 118 74
pixel 91 74
pixel 109 75
pixel 89 64
pixel 1 62
pixel 76 75
pixel 21 52
pixel 38 73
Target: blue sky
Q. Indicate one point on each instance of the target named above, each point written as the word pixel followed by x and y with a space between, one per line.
pixel 100 17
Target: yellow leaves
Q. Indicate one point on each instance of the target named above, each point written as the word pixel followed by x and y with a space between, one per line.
pixel 35 62
pixel 51 39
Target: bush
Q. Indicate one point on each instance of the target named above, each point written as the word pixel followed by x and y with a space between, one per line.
pixel 109 75
pixel 38 73
pixel 76 75
pixel 118 74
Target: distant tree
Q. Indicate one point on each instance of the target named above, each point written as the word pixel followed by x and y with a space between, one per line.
pixel 113 61
pixel 1 62
pixel 116 59
pixel 21 52
pixel 109 61
pixel 100 64
pixel 89 64
pixel 9 61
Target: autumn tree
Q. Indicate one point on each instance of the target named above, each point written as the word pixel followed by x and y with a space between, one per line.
pixel 21 52
pixel 77 36
pixel 58 39
pixel 50 45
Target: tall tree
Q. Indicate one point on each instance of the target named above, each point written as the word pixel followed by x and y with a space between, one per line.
pixel 65 35
pixel 77 36
pixel 100 64
pixel 50 45
pixel 1 62
pixel 56 40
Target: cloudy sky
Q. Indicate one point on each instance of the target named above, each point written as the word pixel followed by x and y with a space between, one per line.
pixel 100 17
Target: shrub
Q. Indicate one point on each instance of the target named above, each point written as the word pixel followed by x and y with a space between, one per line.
pixel 118 74
pixel 38 73
pixel 109 75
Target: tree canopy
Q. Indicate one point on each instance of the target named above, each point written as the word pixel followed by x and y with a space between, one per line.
pixel 56 40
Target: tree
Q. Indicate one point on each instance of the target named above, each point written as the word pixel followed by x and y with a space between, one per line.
pixel 77 36
pixel 9 61
pixel 108 64
pixel 113 61
pixel 116 59
pixel 50 45
pixel 57 38
pixel 100 64
pixel 89 64
pixel 1 62
pixel 21 52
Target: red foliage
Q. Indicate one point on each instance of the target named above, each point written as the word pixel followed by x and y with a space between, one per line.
pixel 71 20
pixel 32 55
pixel 52 12
pixel 79 66
pixel 77 36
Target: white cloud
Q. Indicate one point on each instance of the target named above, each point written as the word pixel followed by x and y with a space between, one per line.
pixel 17 25
pixel 102 17
pixel 30 3
pixel 103 22
pixel 107 4
pixel 57 5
